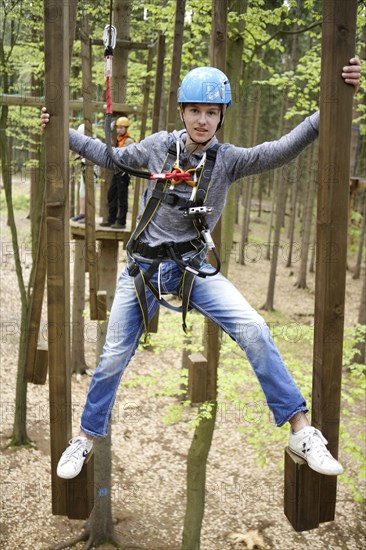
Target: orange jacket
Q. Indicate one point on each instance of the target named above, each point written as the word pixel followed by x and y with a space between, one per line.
pixel 121 140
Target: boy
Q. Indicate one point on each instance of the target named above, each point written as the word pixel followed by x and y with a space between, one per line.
pixel 175 240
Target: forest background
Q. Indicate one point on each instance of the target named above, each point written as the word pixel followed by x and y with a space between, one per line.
pixel 275 82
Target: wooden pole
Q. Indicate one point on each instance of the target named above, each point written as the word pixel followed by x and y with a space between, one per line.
pixel 217 59
pixel 138 183
pixel 339 31
pixel 159 84
pixel 90 243
pixel 176 63
pixel 159 80
pixel 57 195
pixel 338 46
pixel 205 377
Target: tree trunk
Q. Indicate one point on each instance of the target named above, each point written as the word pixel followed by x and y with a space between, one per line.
pixel 312 258
pixel 307 221
pixel 249 183
pixel 78 363
pixel 270 225
pixel 275 191
pixel 291 229
pixel 19 435
pixel 246 201
pixel 196 481
pixel 281 206
pixel 100 524
pixel 262 178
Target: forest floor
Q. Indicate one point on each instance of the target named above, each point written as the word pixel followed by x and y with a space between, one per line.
pixel 149 456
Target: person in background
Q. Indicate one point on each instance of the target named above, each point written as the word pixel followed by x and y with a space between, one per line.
pixel 118 190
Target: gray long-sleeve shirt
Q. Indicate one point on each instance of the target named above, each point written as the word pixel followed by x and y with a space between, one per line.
pixel 232 163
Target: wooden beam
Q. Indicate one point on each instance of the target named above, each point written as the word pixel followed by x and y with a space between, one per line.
pixel 126 44
pixel 58 265
pixel 14 100
pixel 338 46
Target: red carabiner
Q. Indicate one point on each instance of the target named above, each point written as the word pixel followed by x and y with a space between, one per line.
pixel 177 175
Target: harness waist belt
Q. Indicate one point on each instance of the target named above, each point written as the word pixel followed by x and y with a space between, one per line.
pixel 152 252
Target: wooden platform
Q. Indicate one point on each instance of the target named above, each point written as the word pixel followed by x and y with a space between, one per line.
pixel 77 231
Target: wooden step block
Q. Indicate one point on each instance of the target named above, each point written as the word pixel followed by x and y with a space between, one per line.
pixel 301 494
pixel 80 492
pixel 197 378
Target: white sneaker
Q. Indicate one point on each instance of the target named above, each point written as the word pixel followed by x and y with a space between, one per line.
pixel 309 443
pixel 73 458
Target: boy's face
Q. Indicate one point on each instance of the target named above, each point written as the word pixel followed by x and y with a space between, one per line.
pixel 201 120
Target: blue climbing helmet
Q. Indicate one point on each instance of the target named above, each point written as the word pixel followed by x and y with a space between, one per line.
pixel 205 85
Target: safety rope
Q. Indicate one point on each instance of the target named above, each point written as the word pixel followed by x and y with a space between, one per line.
pixel 177 175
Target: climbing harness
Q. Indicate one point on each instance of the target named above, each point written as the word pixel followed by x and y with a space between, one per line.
pixel 194 209
pixel 171 174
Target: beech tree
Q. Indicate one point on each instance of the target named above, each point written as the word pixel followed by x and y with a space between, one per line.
pixel 13 32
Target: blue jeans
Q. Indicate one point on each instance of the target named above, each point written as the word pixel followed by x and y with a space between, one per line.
pixel 216 298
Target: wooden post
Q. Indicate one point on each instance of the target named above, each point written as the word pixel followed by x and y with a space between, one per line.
pixel 159 84
pixel 338 46
pixel 159 80
pixel 145 107
pixel 90 243
pixel 57 195
pixel 147 89
pixel 217 59
pixel 176 63
pixel 201 443
pixel 339 31
pixel 197 378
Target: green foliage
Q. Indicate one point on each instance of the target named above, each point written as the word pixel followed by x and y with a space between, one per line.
pixel 20 202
